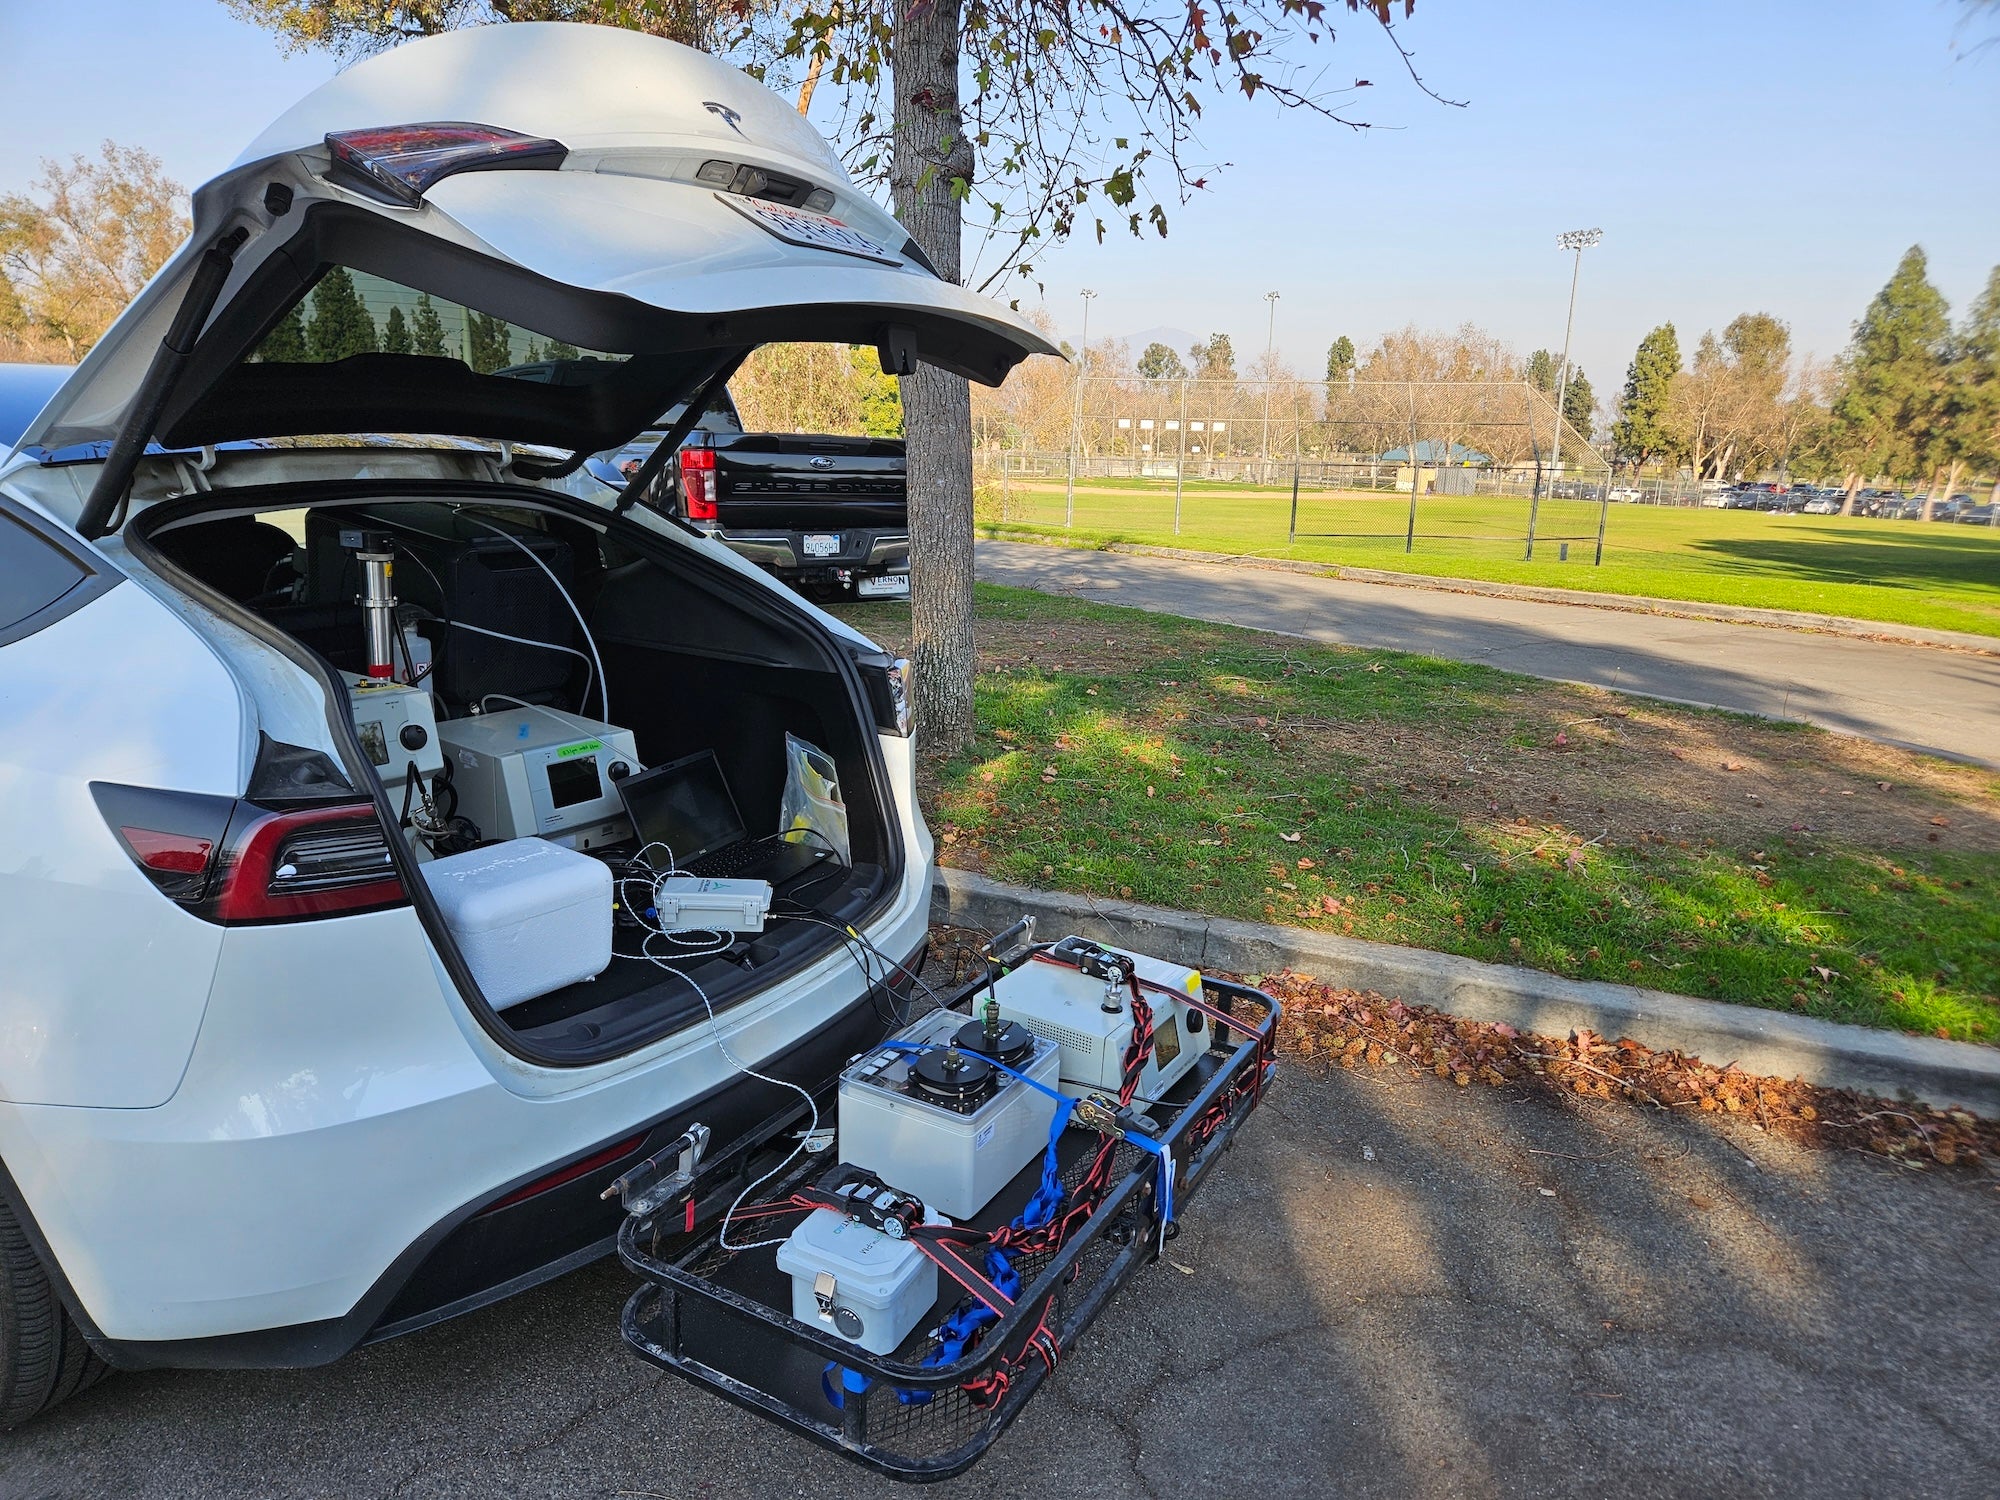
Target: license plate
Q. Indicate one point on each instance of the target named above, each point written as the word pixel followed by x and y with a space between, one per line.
pixel 885 586
pixel 814 231
pixel 822 544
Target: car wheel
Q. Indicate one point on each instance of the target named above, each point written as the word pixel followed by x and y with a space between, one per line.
pixel 43 1357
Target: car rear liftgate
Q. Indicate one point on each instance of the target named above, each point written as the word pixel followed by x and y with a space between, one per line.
pixel 1022 1279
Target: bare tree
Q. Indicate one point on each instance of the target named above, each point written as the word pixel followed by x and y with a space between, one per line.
pixel 76 248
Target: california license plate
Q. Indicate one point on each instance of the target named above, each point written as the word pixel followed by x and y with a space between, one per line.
pixel 814 231
pixel 884 586
pixel 822 544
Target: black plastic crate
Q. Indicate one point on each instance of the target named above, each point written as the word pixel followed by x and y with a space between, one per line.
pixel 721 1318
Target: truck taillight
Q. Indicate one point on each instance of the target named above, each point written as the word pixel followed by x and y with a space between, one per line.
pixel 698 483
pixel 228 860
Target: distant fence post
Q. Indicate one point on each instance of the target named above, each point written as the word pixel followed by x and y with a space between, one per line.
pixel 1180 458
pixel 1416 477
pixel 1603 510
pixel 1292 536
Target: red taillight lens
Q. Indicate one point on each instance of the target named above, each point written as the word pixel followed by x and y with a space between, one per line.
pixel 698 483
pixel 228 860
pixel 316 863
pixel 402 162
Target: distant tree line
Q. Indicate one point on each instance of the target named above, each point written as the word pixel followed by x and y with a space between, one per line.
pixel 1913 399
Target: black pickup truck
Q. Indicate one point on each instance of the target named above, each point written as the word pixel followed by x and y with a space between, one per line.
pixel 827 514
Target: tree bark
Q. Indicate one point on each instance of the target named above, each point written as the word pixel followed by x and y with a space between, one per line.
pixel 1853 484
pixel 930 153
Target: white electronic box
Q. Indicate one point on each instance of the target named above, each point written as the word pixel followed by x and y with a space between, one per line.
pixel 945 1124
pixel 1090 1015
pixel 540 772
pixel 397 727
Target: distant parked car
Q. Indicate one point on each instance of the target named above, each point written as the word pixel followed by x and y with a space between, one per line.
pixel 1977 515
pixel 1626 494
pixel 1824 503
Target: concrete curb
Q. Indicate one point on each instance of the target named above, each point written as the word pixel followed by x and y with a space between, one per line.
pixel 1634 604
pixel 1884 1063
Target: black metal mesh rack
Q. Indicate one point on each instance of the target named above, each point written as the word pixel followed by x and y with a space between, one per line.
pixel 721 1318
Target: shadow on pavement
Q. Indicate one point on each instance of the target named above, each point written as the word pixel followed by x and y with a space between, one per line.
pixel 1391 1288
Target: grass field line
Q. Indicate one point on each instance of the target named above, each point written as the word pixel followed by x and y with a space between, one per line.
pixel 1934 577
pixel 1807 621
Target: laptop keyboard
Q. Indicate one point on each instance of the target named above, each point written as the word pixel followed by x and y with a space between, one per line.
pixel 725 863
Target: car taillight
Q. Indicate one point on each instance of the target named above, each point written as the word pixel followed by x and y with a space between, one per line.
pixel 229 860
pixel 698 483
pixel 402 162
pixel 891 684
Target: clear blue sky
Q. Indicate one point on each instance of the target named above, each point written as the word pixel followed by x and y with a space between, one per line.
pixel 1774 156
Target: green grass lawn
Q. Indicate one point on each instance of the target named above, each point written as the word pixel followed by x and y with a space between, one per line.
pixel 1453 807
pixel 1904 572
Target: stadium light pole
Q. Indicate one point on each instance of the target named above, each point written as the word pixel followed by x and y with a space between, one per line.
pixel 1076 413
pixel 1270 349
pixel 1578 240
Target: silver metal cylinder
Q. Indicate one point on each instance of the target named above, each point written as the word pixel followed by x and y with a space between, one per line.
pixel 378 610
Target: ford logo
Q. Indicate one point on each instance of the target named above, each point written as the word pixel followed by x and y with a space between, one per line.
pixel 819 461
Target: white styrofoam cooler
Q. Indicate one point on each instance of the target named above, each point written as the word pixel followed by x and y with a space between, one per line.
pixel 528 915
pixel 879 1288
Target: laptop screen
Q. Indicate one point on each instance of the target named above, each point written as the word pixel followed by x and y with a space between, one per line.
pixel 685 805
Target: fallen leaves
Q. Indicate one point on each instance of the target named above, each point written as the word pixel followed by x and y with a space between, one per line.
pixel 1356 1029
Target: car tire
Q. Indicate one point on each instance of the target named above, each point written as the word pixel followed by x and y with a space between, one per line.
pixel 43 1357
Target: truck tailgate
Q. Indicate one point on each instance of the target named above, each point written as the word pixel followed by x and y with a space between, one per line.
pixel 779 482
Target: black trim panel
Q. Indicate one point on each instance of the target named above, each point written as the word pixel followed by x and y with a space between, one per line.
pixel 98 578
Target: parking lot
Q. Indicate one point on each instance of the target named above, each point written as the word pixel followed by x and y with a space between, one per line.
pixel 1392 1288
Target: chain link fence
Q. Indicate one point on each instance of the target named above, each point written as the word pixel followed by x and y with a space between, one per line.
pixel 1458 464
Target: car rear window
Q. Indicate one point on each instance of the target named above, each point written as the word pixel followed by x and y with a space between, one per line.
pixel 351 312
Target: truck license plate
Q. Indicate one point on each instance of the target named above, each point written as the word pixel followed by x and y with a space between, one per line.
pixel 822 544
pixel 883 586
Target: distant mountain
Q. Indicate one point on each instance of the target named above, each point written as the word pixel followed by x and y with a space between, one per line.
pixel 1177 339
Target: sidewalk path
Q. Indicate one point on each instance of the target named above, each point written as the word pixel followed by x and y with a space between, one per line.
pixel 1945 702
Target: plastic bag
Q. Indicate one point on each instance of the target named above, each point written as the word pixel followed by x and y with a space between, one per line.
pixel 812 810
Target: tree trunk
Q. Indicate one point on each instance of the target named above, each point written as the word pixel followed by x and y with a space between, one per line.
pixel 1853 484
pixel 930 154
pixel 1931 494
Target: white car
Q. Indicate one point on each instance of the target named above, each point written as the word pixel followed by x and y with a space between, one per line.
pixel 268 1089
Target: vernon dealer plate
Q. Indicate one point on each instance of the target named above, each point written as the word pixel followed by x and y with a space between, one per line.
pixel 814 231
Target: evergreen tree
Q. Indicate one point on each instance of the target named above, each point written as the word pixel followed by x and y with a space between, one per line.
pixel 427 329
pixel 285 344
pixel 1214 358
pixel 1641 432
pixel 341 325
pixel 1886 414
pixel 395 333
pixel 1158 362
pixel 1340 358
pixel 1579 403
pixel 1972 403
pixel 1540 371
pixel 559 351
pixel 489 342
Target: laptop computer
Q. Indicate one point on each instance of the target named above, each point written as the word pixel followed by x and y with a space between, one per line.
pixel 687 806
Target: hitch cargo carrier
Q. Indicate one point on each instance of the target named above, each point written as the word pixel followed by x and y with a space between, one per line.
pixel 721 1317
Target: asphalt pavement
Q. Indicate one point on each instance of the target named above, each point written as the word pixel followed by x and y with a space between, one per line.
pixel 1391 1288
pixel 1920 697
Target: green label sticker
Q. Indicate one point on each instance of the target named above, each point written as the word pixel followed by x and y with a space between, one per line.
pixel 583 749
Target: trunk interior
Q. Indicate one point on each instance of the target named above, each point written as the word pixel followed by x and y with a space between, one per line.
pixel 693 661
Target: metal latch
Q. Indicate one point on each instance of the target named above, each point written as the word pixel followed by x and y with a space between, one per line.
pixel 824 1287
pixel 663 1176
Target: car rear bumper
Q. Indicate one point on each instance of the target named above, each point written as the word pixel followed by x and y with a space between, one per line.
pixel 511 1237
pixel 859 549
